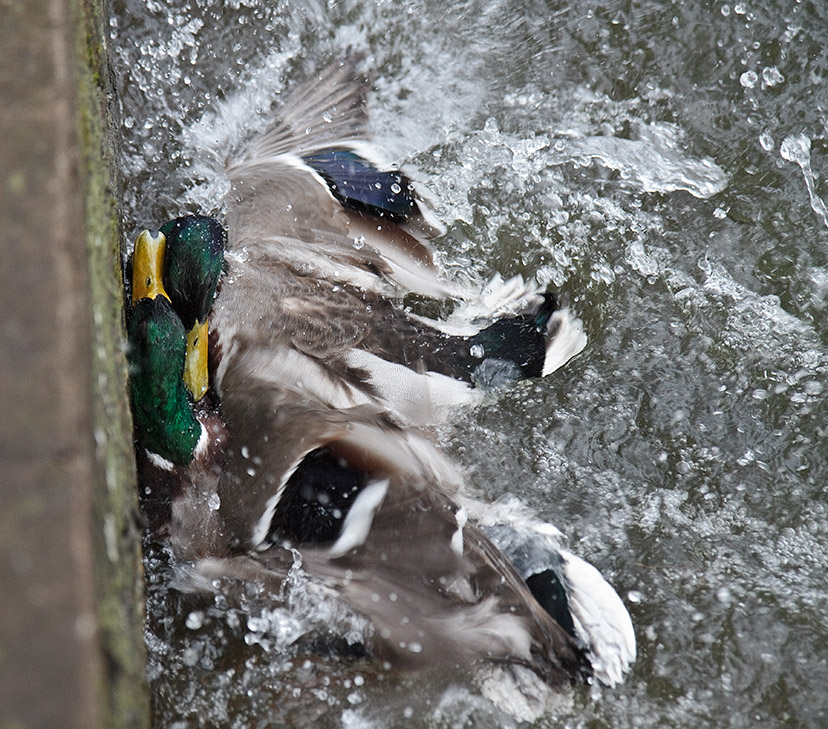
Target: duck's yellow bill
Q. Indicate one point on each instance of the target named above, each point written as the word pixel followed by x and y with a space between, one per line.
pixel 195 361
pixel 148 266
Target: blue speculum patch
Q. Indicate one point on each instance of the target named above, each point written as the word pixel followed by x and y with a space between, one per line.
pixel 357 184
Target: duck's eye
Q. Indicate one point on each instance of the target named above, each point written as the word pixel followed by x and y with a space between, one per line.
pixel 149 281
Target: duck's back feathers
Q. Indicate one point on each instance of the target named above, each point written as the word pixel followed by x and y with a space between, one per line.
pixel 446 595
pixel 371 508
pixel 342 346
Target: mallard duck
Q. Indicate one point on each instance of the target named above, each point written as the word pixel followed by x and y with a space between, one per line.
pixel 307 442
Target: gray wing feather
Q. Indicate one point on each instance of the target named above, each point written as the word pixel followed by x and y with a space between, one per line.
pixel 326 109
pixel 276 197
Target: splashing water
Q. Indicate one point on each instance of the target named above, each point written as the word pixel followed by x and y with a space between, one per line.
pixel 622 154
pixel 797 148
pixel 653 161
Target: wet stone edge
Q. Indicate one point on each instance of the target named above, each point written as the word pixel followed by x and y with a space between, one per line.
pixel 120 599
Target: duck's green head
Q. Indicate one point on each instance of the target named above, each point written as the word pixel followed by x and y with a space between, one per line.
pixel 192 267
pixel 160 403
pixel 157 347
pixel 193 260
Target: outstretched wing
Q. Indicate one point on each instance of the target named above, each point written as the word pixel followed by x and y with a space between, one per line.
pixel 311 194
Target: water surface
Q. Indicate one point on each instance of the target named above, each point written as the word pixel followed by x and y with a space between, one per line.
pixel 664 165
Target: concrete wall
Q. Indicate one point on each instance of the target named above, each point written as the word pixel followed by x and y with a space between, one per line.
pixel 71 595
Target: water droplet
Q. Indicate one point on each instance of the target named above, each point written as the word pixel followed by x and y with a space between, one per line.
pixel 214 502
pixel 766 140
pixel 796 148
pixel 748 457
pixel 477 350
pixel 359 242
pixel 771 76
pixel 634 596
pixel 195 620
pixel 396 189
pixel 724 595
pixel 748 79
